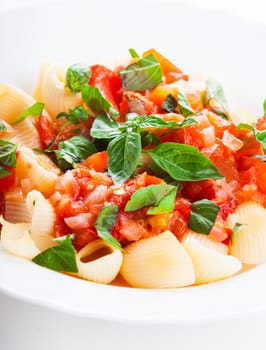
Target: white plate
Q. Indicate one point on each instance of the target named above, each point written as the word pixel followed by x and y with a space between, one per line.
pixel 198 41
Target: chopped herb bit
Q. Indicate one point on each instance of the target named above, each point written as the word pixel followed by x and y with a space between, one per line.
pixel 77 76
pixel 170 104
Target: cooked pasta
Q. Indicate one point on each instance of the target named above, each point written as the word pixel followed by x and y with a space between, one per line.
pixel 99 262
pixel 133 173
pixel 51 90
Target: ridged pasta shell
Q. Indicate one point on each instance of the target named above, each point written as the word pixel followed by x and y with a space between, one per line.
pixel 15 207
pixel 38 169
pixel 249 245
pixel 16 239
pixel 99 262
pixel 211 263
pixel 52 92
pixel 157 262
pixel 43 220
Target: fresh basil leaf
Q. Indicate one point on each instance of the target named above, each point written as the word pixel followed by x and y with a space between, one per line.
pixel 133 53
pixel 183 162
pixel 123 156
pixel 261 137
pixel 2 126
pixel 94 99
pixel 4 172
pixel 185 123
pixel 236 229
pixel 245 126
pixel 215 91
pixel 202 216
pixel 72 151
pixel 151 122
pixel 143 75
pixel 151 195
pixel 105 223
pixel 104 127
pixel 184 105
pixel 77 76
pixel 59 258
pixel 169 104
pixel 75 116
pixel 264 107
pixel 33 111
pixel 8 153
pixel 166 204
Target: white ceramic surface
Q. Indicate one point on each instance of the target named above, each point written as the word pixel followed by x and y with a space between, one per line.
pixel 211 43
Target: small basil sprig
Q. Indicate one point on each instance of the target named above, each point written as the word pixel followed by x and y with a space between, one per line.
pixel 94 99
pixel 72 151
pixel 142 75
pixel 60 258
pixel 75 115
pixel 105 223
pixel 2 126
pixel 7 157
pixel 33 111
pixel 77 76
pixel 160 197
pixel 184 105
pixel 202 216
pixel 183 162
pixel 215 92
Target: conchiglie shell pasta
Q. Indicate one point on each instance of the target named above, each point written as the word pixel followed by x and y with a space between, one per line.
pixel 52 92
pixel 249 245
pixel 210 261
pixel 43 220
pixel 99 262
pixel 157 262
pixel 38 169
pixel 16 239
pixel 15 207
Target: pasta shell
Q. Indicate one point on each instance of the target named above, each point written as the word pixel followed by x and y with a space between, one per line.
pixel 43 220
pixel 15 207
pixel 211 263
pixel 99 262
pixel 38 169
pixel 157 262
pixel 16 239
pixel 249 245
pixel 52 92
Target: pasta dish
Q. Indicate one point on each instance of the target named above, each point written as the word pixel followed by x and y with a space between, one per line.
pixel 134 171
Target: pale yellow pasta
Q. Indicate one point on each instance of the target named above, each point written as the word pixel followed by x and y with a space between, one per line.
pixel 249 244
pixel 43 220
pixel 52 92
pixel 25 134
pixel 157 262
pixel 38 169
pixel 99 262
pixel 16 210
pixel 210 261
pixel 16 239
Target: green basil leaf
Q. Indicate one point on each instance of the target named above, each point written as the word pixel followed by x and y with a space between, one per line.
pixel 148 138
pixel 183 162
pixel 105 223
pixel 202 216
pixel 77 76
pixel 8 154
pixel 245 126
pixel 123 156
pixel 133 53
pixel 236 229
pixel 264 107
pixel 184 105
pixel 33 111
pixel 72 151
pixel 169 104
pixel 4 172
pixel 151 122
pixel 143 75
pixel 104 127
pixel 261 137
pixel 75 116
pixel 215 91
pixel 166 204
pixel 59 258
pixel 152 195
pixel 2 126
